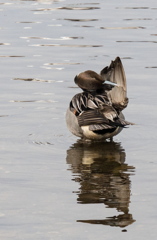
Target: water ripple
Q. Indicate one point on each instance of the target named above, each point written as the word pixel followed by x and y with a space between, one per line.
pixel 62 63
pixel 4 115
pixel 65 8
pixel 42 143
pixel 54 39
pixel 29 101
pixel 33 80
pixel 6 3
pixel 80 20
pixel 132 7
pixel 63 45
pixel 152 67
pixel 141 41
pixel 28 22
pixel 118 28
pixel 4 43
pixel 10 56
pixel 137 19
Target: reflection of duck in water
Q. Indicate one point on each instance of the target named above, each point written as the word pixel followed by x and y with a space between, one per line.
pixel 96 113
pixel 103 175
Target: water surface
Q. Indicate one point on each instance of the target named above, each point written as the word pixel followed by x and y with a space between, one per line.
pixel 52 185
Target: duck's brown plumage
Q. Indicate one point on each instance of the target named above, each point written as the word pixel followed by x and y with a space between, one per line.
pixel 89 80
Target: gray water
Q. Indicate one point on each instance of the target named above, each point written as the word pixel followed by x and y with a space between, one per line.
pixel 52 186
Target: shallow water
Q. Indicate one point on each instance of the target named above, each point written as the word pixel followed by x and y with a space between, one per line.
pixel 52 185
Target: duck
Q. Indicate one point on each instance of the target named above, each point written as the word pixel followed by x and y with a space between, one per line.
pixel 96 113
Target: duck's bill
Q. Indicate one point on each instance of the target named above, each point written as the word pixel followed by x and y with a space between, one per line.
pixel 111 83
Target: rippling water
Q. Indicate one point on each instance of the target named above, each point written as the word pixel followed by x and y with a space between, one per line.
pixel 52 185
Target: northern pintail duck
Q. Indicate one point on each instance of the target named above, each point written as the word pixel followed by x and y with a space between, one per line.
pixel 96 113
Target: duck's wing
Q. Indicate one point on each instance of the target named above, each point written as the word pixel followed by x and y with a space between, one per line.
pixel 101 119
pixel 115 73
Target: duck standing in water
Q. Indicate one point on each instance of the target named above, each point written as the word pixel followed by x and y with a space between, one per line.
pixel 96 113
